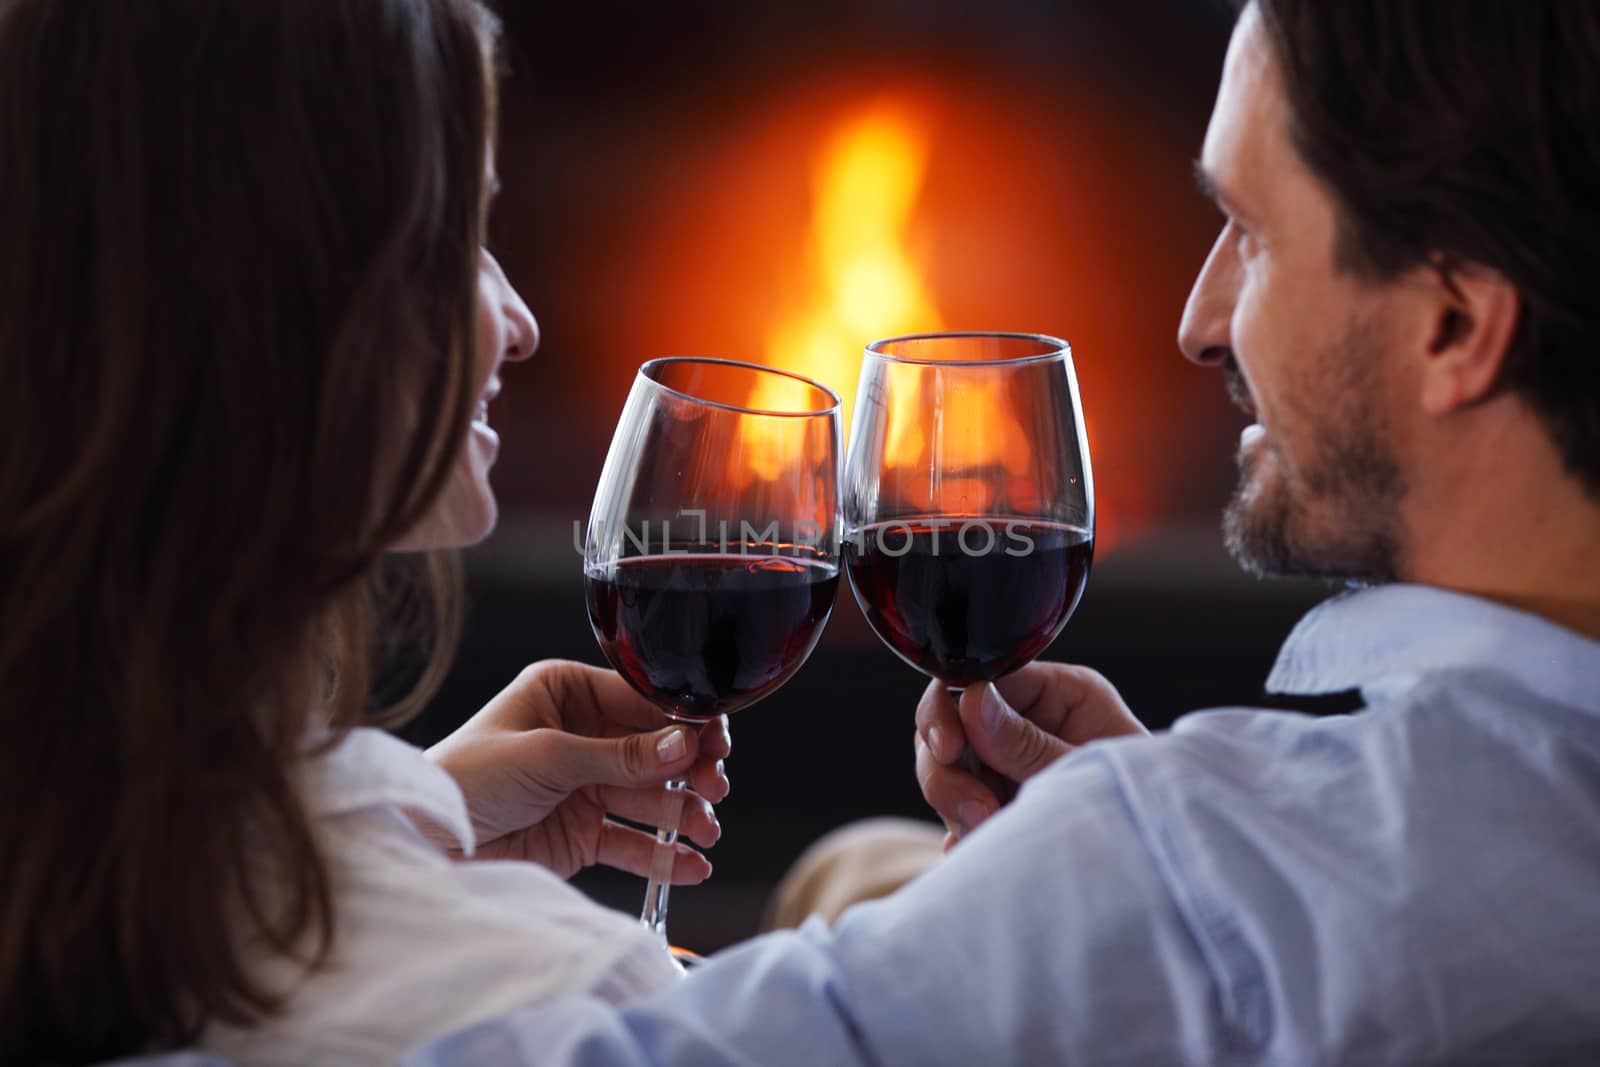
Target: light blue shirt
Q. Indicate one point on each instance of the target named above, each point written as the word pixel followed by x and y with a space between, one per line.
pixel 1415 883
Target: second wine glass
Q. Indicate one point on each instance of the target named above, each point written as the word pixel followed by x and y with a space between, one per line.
pixel 968 500
pixel 711 558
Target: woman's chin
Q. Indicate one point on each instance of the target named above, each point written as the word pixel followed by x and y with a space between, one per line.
pixel 464 515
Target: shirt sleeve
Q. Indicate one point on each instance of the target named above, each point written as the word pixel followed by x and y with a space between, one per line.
pixel 1048 936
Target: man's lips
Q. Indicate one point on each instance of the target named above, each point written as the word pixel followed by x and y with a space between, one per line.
pixel 1239 393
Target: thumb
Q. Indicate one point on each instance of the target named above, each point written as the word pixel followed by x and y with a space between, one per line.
pixel 1003 739
pixel 569 762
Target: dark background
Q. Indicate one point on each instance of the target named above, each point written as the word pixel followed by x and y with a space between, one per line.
pixel 658 165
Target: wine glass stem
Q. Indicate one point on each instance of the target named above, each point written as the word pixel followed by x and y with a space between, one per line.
pixel 968 760
pixel 654 916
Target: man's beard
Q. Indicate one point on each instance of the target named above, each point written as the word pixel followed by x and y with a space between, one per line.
pixel 1340 517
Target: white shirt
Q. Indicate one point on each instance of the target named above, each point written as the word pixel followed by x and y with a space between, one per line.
pixel 1417 883
pixel 425 945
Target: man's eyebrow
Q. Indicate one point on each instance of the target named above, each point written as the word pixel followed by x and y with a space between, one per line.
pixel 1205 183
pixel 1212 191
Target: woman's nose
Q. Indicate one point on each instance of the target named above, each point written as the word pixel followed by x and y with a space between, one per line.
pixel 522 333
pixel 521 329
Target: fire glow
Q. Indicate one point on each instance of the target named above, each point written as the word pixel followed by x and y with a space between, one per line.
pixel 1006 210
pixel 866 282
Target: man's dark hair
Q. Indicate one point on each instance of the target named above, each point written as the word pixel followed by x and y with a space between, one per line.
pixel 1466 131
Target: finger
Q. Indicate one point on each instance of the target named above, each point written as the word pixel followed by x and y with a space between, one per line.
pixel 594 696
pixel 709 778
pixel 1068 701
pixel 632 850
pixel 566 762
pixel 584 698
pixel 1003 739
pixel 715 740
pixel 960 800
pixel 696 822
pixel 939 723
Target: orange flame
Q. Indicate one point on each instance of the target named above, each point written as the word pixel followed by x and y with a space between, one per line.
pixel 867 284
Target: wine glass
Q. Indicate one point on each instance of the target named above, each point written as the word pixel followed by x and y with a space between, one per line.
pixel 968 501
pixel 711 559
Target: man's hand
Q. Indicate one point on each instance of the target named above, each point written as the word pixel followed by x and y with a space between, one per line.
pixel 564 746
pixel 1017 727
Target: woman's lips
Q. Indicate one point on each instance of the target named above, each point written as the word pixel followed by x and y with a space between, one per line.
pixel 490 391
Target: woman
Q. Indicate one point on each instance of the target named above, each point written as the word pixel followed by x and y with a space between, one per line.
pixel 248 338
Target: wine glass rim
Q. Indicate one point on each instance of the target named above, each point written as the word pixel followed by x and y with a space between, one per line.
pixel 653 364
pixel 1058 348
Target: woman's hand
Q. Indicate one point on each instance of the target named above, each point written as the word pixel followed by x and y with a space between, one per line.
pixel 564 746
pixel 1017 727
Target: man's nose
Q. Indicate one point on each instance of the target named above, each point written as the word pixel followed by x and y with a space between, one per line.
pixel 1203 335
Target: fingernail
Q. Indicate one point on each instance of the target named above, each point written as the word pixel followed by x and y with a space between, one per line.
pixel 693 854
pixel 935 741
pixel 671 748
pixel 992 709
pixel 970 814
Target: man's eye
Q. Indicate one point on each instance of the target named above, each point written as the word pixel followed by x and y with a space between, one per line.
pixel 1241 236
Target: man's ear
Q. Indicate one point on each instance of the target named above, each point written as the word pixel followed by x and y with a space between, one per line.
pixel 1476 315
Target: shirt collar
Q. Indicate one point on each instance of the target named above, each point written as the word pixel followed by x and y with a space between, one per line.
pixel 1387 637
pixel 371 769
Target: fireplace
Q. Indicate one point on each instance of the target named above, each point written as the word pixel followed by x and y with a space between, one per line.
pixel 778 186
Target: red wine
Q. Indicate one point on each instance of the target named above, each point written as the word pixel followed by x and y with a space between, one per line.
pixel 703 635
pixel 974 599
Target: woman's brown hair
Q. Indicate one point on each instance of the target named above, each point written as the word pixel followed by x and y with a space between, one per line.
pixel 237 297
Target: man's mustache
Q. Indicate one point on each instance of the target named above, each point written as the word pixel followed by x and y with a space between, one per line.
pixel 1238 391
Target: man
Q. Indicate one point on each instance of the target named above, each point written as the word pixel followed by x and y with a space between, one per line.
pixel 1398 296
